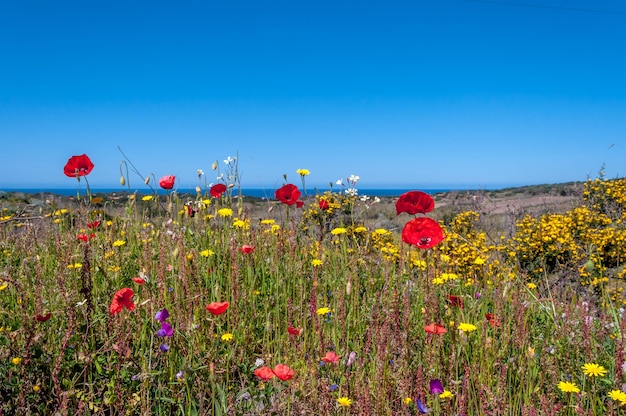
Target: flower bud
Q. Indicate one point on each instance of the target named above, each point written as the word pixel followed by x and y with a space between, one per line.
pixel 147 180
pixel 122 181
pixel 214 165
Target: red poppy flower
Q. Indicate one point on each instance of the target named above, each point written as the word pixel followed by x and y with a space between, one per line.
pixel 264 373
pixel 331 357
pixel 246 249
pixel 43 318
pixel 190 210
pixel 294 331
pixel 122 299
pixel 167 181
pixel 78 166
pixel 85 237
pixel 288 194
pixel 435 329
pixel 423 233
pixel 493 321
pixel 217 308
pixel 94 224
pixel 139 280
pixel 283 372
pixel 415 202
pixel 217 190
pixel 324 205
pixel 455 301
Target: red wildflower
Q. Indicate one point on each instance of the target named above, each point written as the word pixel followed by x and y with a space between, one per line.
pixel 493 321
pixel 288 194
pixel 294 331
pixel 43 318
pixel 283 372
pixel 121 300
pixel 139 280
pixel 331 357
pixel 299 203
pixel 217 308
pixel 167 181
pixel 94 224
pixel 435 329
pixel 85 237
pixel 415 202
pixel 423 233
pixel 455 301
pixel 246 249
pixel 217 190
pixel 324 205
pixel 78 166
pixel 264 373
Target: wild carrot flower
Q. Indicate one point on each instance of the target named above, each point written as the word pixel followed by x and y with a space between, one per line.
pixel 344 402
pixel 593 370
pixel 568 387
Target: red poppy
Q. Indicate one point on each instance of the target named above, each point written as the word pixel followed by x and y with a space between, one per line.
pixel 493 321
pixel 415 202
pixel 85 237
pixel 294 331
pixel 217 190
pixel 288 194
pixel 139 280
pixel 122 299
pixel 264 373
pixel 283 372
pixel 435 329
pixel 167 181
pixel 331 357
pixel 94 224
pixel 78 166
pixel 455 301
pixel 324 205
pixel 423 233
pixel 217 308
pixel 246 249
pixel 43 318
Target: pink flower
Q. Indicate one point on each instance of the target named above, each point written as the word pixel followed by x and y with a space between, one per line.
pixel 331 357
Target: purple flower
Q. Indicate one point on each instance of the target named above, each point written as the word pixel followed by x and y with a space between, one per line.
pixel 165 331
pixel 351 358
pixel 164 347
pixel 162 315
pixel 436 387
pixel 422 407
pixel 333 387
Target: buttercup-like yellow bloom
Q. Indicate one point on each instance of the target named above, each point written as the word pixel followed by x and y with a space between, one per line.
pixel 147 198
pixel 227 337
pixel 316 262
pixel 465 327
pixel 594 370
pixel 618 396
pixel 344 402
pixel 323 311
pixel 207 253
pixel 74 266
pixel 407 401
pixel 225 212
pixel 3 286
pixel 303 172
pixel 16 361
pixel 447 394
pixel 567 387
pixel 118 243
pixel 531 286
pixel 338 230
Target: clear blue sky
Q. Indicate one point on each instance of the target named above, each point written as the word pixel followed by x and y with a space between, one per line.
pixel 446 93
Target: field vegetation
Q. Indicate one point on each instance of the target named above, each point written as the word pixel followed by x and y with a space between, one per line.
pixel 313 303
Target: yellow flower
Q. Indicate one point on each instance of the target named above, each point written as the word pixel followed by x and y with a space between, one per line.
pixel 447 394
pixel 465 327
pixel 225 212
pixel 316 262
pixel 16 360
pixel 618 396
pixel 360 229
pixel 3 286
pixel 323 311
pixel 594 370
pixel 338 230
pixel 531 286
pixel 109 223
pixel 147 198
pixel 207 253
pixel 118 243
pixel 407 401
pixel 567 387
pixel 479 261
pixel 227 337
pixel 303 172
pixel 36 388
pixel 74 266
pixel 268 222
pixel 381 231
pixel 344 402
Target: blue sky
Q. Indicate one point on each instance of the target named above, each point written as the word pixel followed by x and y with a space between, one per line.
pixel 438 94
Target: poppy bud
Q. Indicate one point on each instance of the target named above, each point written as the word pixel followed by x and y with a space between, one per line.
pixel 198 189
pixel 147 180
pixel 348 288
pixel 214 165
pixel 590 266
pixel 122 181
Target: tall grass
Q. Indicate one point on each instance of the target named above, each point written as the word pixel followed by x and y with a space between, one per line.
pixel 360 293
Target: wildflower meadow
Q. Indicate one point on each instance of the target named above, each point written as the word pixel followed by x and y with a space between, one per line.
pixel 199 305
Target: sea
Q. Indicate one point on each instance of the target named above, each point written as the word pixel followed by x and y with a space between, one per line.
pixel 246 192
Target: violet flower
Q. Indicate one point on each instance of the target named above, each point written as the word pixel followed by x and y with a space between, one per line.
pixel 162 315
pixel 422 407
pixel 436 387
pixel 165 331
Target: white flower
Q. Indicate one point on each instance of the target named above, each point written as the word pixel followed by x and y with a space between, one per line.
pixel 339 182
pixel 364 198
pixel 81 303
pixel 200 172
pixel 352 192
pixel 376 200
pixel 258 362
pixel 229 160
pixel 353 179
